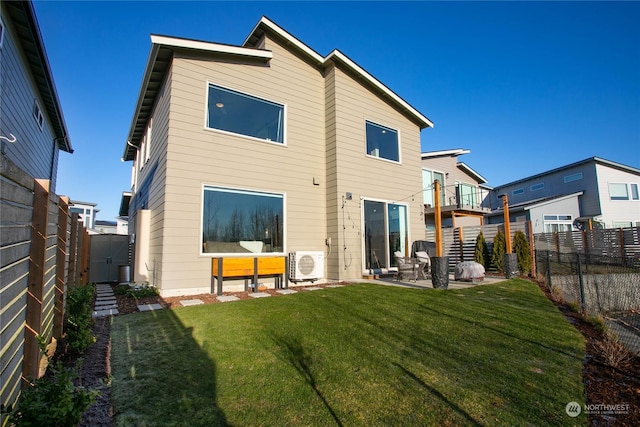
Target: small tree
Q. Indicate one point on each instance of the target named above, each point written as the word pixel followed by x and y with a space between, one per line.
pixel 521 248
pixel 481 255
pixel 499 249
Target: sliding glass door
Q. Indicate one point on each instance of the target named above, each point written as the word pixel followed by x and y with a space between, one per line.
pixel 386 231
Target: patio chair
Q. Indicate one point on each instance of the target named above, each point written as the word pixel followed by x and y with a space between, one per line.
pixel 423 257
pixel 405 265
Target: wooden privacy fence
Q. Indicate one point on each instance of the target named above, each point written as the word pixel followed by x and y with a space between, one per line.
pixel 610 242
pixel 459 244
pixel 43 251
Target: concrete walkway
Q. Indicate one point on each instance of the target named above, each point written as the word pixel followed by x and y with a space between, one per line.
pixel 106 304
pixel 427 284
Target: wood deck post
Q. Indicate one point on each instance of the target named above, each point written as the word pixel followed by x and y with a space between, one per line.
pixel 35 291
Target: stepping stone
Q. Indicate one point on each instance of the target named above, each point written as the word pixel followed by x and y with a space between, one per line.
pixel 259 295
pixel 190 302
pixel 286 291
pixel 102 306
pixel 311 288
pixel 335 286
pixel 106 298
pixel 227 298
pixel 104 313
pixel 149 307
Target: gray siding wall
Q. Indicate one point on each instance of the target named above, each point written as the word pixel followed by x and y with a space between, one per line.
pixel 562 207
pixel 34 150
pixel 196 156
pixel 554 185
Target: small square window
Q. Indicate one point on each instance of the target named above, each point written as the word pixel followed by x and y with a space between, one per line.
pixel 634 192
pixel 382 142
pixel 618 191
pixel 37 115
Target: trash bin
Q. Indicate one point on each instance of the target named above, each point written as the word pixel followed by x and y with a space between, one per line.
pixel 124 273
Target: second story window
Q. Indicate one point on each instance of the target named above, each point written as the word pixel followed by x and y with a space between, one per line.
pixel 242 114
pixel 37 114
pixel 382 142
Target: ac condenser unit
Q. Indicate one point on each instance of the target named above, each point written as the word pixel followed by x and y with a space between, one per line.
pixel 306 265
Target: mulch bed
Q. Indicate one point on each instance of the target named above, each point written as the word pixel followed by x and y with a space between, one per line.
pixel 604 384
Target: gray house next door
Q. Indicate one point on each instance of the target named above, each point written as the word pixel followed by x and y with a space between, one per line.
pixel 108 253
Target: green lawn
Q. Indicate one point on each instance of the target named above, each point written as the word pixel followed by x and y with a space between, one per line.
pixel 358 355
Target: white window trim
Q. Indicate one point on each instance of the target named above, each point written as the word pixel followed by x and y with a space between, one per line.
pixel 573 177
pixel 3 30
pixel 240 135
pixel 386 213
pixel 38 115
pixel 232 189
pixel 148 140
pixel 628 188
pixel 397 131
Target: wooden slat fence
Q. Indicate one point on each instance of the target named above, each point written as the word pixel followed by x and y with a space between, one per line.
pixel 459 243
pixel 43 251
pixel 610 242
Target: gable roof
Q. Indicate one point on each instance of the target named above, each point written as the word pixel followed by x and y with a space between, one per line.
pixel 162 48
pixel 475 175
pixel 23 17
pixel 339 58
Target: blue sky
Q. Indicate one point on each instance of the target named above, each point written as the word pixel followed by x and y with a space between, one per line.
pixel 526 86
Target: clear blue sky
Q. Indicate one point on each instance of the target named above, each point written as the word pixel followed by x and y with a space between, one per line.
pixel 526 87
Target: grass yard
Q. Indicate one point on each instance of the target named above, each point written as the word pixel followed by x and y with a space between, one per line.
pixel 358 355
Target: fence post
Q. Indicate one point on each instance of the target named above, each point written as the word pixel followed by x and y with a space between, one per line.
pixel 581 279
pixel 73 252
pixel 461 242
pixel 532 249
pixel 548 269
pixel 61 261
pixel 35 291
pixel 622 251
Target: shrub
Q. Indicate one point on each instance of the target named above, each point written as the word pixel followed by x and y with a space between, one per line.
pixel 499 249
pixel 481 255
pixel 78 322
pixel 523 251
pixel 52 400
pixel 137 291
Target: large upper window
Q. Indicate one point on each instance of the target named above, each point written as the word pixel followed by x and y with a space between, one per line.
pixel 240 221
pixel 243 114
pixel 382 142
pixel 618 191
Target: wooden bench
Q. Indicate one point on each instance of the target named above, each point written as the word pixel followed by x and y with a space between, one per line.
pixel 248 268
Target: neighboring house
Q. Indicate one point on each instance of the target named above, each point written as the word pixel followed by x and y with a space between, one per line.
pixel 119 226
pixel 463 193
pixel 86 212
pixel 592 192
pixel 32 127
pixel 265 149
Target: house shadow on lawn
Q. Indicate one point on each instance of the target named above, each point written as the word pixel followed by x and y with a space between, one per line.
pixel 293 353
pixel 160 374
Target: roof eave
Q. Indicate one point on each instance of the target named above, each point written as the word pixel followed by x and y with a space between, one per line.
pixel 41 72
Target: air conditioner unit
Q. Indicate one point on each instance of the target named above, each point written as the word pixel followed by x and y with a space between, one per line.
pixel 306 265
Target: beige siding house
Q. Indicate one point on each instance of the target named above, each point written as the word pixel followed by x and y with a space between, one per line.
pixel 267 149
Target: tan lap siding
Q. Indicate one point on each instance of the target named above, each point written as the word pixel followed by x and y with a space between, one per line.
pixel 197 156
